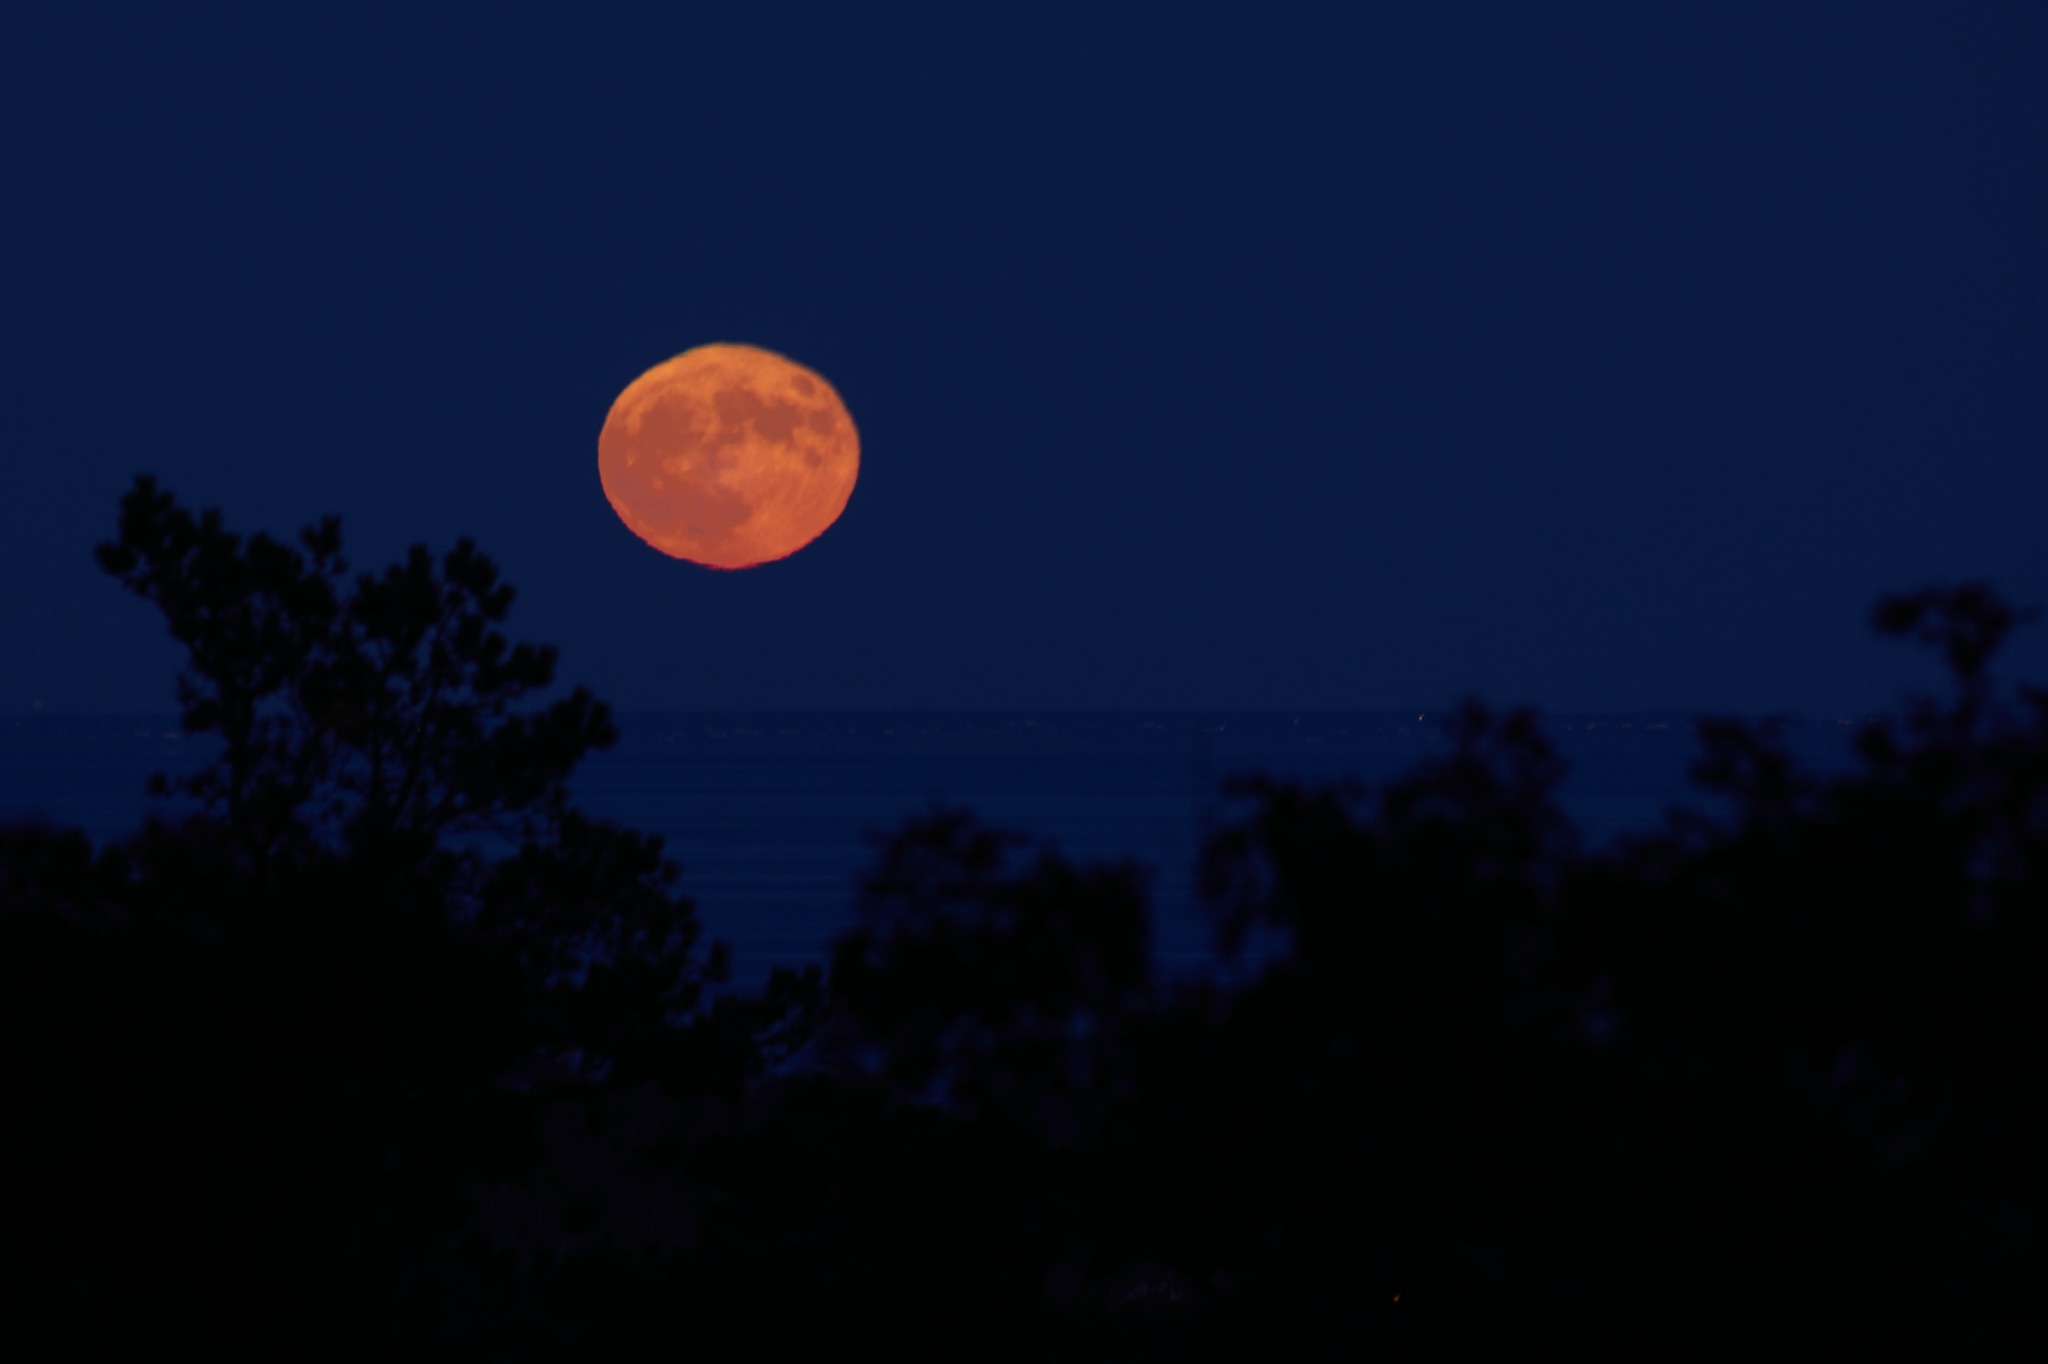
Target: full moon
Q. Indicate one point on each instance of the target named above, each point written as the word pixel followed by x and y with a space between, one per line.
pixel 728 456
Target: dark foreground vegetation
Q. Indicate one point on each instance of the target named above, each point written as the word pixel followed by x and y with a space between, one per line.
pixel 387 1051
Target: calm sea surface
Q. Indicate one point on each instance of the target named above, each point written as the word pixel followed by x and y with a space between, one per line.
pixel 771 815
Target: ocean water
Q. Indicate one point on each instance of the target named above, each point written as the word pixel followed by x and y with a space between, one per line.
pixel 773 816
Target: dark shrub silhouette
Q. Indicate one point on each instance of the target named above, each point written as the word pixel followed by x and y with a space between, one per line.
pixel 994 987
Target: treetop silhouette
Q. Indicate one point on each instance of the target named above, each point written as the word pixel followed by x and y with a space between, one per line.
pixel 383 713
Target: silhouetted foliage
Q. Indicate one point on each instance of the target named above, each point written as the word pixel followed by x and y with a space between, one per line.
pixel 386 1048
pixel 289 1032
pixel 377 716
pixel 972 980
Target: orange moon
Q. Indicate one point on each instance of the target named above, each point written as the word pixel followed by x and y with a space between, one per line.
pixel 728 456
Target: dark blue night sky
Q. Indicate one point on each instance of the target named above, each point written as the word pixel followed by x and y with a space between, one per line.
pixel 1599 356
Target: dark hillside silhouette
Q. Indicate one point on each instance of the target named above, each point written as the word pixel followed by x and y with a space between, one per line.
pixel 383 1048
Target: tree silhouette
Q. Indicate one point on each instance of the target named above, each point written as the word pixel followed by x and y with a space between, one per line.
pixel 384 1047
pixel 378 717
pixel 317 999
pixel 971 979
pixel 378 738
